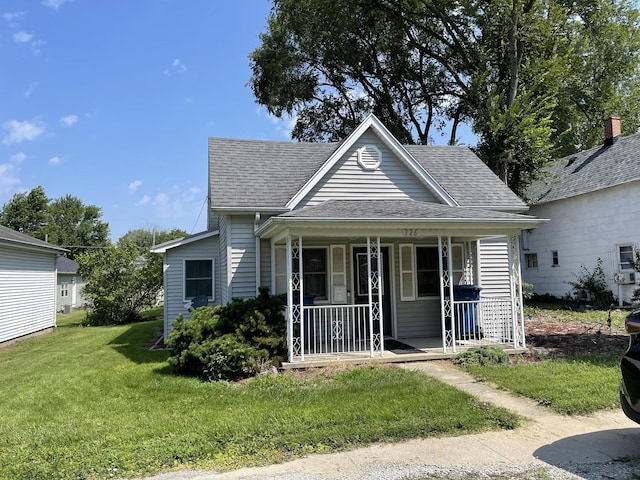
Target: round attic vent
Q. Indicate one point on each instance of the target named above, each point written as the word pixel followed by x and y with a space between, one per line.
pixel 369 157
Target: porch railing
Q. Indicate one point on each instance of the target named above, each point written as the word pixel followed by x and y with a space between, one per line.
pixel 334 329
pixel 489 320
pixel 342 329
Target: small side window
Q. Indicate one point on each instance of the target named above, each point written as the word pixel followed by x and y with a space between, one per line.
pixel 531 260
pixel 554 258
pixel 625 258
pixel 198 278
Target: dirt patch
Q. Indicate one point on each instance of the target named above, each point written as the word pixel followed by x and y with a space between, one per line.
pixel 565 339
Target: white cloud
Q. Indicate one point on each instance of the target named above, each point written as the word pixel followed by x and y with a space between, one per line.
pixel 35 46
pixel 69 120
pixel 161 200
pixel 176 66
pixel 133 186
pixel 22 37
pixel 54 160
pixel 11 16
pixel 55 4
pixel 9 172
pixel 144 200
pixel 18 132
pixel 283 125
pixel 18 158
pixel 29 91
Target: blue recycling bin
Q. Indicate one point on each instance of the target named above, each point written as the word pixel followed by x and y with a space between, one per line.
pixel 467 293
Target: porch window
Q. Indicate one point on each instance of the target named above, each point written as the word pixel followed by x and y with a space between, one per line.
pixel 625 258
pixel 198 278
pixel 314 266
pixel 427 271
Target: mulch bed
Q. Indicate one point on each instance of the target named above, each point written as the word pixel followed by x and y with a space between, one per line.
pixel 566 339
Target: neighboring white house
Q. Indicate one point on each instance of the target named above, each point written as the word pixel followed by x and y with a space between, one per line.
pixel 373 236
pixel 69 285
pixel 27 284
pixel 593 202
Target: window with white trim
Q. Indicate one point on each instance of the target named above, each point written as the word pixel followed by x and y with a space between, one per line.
pixel 625 258
pixel 314 268
pixel 407 284
pixel 198 279
pixel 280 270
pixel 64 289
pixel 427 271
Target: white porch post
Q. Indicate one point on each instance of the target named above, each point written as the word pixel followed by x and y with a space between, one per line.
pixel 370 296
pixel 376 340
pixel 295 289
pixel 380 295
pixel 517 313
pixel 446 294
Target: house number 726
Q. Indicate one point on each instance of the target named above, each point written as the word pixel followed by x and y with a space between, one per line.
pixel 410 232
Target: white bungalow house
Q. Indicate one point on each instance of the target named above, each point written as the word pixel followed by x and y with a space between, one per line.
pixel 592 199
pixel 27 284
pixel 368 240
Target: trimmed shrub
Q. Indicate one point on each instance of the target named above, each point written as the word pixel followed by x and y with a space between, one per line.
pixel 481 356
pixel 230 342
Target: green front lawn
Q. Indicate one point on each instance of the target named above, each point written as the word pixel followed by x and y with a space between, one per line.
pixel 579 385
pixel 94 402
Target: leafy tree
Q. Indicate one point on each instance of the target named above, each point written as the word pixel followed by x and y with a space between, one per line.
pixel 74 225
pixel 148 237
pixel 27 213
pixel 535 78
pixel 120 282
pixel 65 221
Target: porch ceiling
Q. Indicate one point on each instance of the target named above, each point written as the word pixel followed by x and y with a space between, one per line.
pixel 385 215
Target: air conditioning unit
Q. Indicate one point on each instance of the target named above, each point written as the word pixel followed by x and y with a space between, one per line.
pixel 625 278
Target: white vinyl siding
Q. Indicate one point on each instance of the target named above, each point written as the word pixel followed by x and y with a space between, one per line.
pixel 27 292
pixel 348 180
pixel 174 261
pixel 494 267
pixel 265 265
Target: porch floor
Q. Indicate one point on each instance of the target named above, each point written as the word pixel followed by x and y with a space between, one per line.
pixel 427 348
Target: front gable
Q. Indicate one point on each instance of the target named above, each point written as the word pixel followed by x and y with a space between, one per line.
pixel 370 164
pixel 369 170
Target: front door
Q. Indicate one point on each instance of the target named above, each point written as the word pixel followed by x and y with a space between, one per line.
pixel 361 283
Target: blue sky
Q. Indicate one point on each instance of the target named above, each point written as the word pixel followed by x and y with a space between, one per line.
pixel 113 102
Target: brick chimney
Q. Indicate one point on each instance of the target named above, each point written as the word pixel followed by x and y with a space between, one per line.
pixel 612 130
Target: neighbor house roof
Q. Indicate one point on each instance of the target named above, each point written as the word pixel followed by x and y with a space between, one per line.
pixel 66 265
pixel 267 174
pixel 590 170
pixel 10 236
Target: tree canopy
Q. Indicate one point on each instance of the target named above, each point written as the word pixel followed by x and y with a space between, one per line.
pixel 65 221
pixel 534 78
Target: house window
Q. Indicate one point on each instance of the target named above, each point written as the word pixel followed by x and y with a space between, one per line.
pixel 554 258
pixel 314 267
pixel 625 258
pixel 427 271
pixel 531 260
pixel 198 278
pixel 64 289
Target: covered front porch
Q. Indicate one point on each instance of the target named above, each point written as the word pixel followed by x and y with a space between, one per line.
pixel 354 290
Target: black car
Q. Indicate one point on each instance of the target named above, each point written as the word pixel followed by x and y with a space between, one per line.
pixel 630 366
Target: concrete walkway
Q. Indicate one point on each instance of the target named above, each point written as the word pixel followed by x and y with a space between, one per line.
pixel 603 446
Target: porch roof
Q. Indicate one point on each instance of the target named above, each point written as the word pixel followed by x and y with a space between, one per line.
pixel 396 214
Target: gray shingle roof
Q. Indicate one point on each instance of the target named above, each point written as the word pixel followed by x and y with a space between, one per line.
pixel 251 173
pixel 12 236
pixel 66 265
pixel 594 169
pixel 380 210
